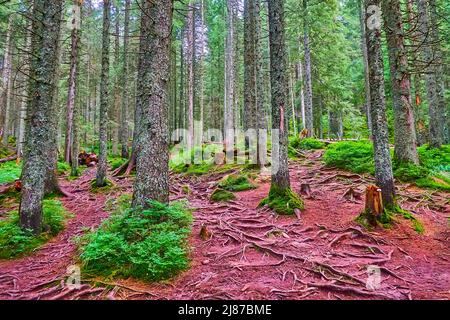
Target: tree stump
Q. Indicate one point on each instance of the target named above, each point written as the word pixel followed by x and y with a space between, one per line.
pixel 374 204
pixel 305 189
pixel 205 234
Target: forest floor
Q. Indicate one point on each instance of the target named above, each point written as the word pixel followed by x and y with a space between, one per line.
pixel 254 254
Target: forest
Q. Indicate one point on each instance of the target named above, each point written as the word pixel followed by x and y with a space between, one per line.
pixel 224 150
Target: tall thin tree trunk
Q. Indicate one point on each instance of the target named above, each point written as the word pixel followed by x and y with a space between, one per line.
pixel 6 79
pixel 182 104
pixel 152 154
pixel 404 127
pixel 115 114
pixel 104 97
pixel 73 73
pixel 383 166
pixel 123 115
pixel 366 67
pixel 433 70
pixel 309 116
pixel 24 92
pixel 229 107
pixel 40 120
pixel 190 70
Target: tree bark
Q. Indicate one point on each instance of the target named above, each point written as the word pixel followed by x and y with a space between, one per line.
pixel 366 67
pixel 279 84
pixel 104 97
pixel 190 70
pixel 5 85
pixel 309 116
pixel 432 68
pixel 39 126
pixel 123 115
pixel 229 97
pixel 73 73
pixel 152 154
pixel 383 166
pixel 404 127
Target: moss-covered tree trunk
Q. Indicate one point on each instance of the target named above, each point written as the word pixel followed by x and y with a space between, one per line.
pixel 404 126
pixel 383 166
pixel 278 82
pixel 104 97
pixel 41 116
pixel 152 147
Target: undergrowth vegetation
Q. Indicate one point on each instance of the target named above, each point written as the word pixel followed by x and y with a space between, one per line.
pixel 389 217
pixel 357 156
pixel 9 172
pixel 147 244
pixel 15 242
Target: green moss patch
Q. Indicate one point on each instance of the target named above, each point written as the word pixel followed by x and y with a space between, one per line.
pixel 236 182
pixel 220 195
pixel 15 242
pixel 148 244
pixel 283 201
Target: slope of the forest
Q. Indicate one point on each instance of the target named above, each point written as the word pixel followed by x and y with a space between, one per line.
pixel 252 253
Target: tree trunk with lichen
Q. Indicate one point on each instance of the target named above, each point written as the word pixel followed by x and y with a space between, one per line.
pixel 432 60
pixel 383 166
pixel 72 89
pixel 5 86
pixel 404 127
pixel 104 98
pixel 278 81
pixel 123 129
pixel 152 153
pixel 309 116
pixel 40 129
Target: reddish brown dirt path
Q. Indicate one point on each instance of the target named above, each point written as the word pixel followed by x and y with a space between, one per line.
pixel 254 254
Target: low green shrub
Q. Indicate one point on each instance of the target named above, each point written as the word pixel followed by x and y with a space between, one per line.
pixel 355 156
pixel 63 167
pixel 306 143
pixel 436 159
pixel 15 242
pixel 148 244
pixel 407 172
